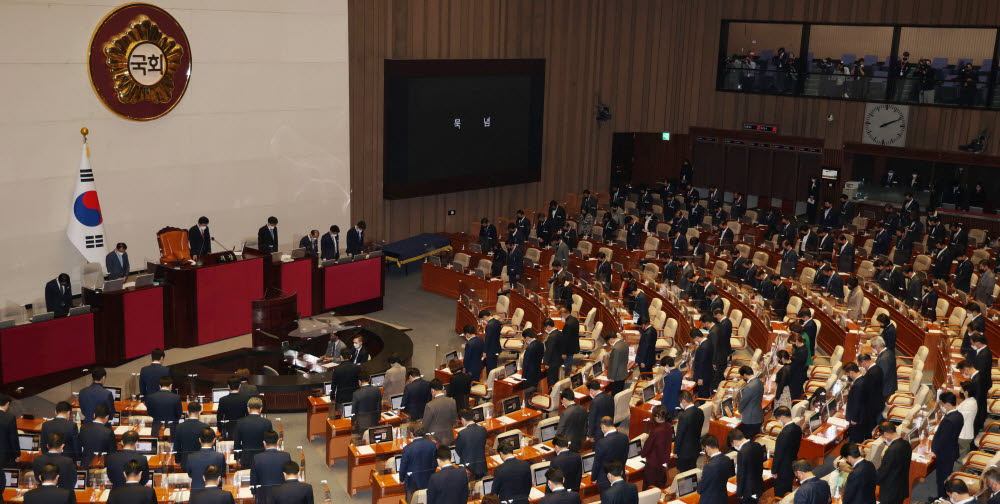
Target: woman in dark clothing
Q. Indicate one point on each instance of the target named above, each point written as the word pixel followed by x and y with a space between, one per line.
pixel 656 450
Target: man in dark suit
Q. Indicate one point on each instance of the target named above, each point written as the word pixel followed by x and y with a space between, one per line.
pixel 200 239
pixel 633 233
pixel 248 435
pixel 945 442
pixel 618 491
pixel 10 450
pixel 487 235
pixel 786 448
pixel 886 360
pixel 704 365
pixel 512 480
pixel 356 238
pixel 715 473
pixel 828 216
pixel 416 394
pixel 555 490
pixel 59 295
pixel 54 455
pixel 739 207
pixel 187 434
pixel 344 380
pixel 601 405
pixel 198 462
pixel 557 214
pixel 67 428
pixel 310 243
pixel 450 484
pixel 845 255
pixel 992 480
pixel 212 492
pixel 149 376
pixel 48 492
pixel 267 236
pixel 470 444
pixel 115 462
pixel 980 382
pixel 96 437
pixel 292 491
pixel 893 474
pixel 834 283
pixel 567 461
pixel 522 223
pixel 116 262
pixel 612 447
pixel 603 270
pixel 231 407
pixel 750 458
pixel 473 357
pixel 942 262
pixel 957 491
pixel 330 244
pixel 846 210
pixel 96 394
pixel 857 412
pixel 914 290
pixel 491 348
pixel 789 261
pixel 959 238
pixel 164 405
pixel 552 358
pixel 860 485
pixel 882 240
pixel 812 490
pixel 645 354
pixel 266 470
pixel 531 363
pixel 573 420
pixel 133 491
pixel 367 404
pixel 963 272
pixel 672 381
pixel 417 462
pixel 515 263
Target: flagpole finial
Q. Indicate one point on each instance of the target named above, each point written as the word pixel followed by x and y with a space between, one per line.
pixel 84 131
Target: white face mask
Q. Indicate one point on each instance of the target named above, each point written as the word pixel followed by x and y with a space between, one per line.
pixel 357 345
pixel 202 227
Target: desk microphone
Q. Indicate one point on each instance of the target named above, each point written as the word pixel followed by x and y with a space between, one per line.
pixel 223 246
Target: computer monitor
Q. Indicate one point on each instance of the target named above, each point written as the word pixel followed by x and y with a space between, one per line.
pixel 5 324
pixel 647 393
pixel 479 414
pixel 143 280
pixel 588 462
pixel 116 392
pixel 42 317
pixel 487 485
pixel 348 411
pixel 116 419
pixel 597 368
pixel 515 436
pixel 28 442
pixel 219 393
pixel 511 404
pixel 510 368
pixel 379 434
pixel 12 476
pixel 548 432
pixel 378 379
pixel 79 310
pixel 576 380
pixel 81 480
pixel 634 447
pixel 455 459
pixel 146 446
pixel 396 463
pixel 327 388
pixel 727 407
pixel 539 475
pixel 113 285
pixel 449 356
pixel 815 422
pixel 687 485
pixel 396 401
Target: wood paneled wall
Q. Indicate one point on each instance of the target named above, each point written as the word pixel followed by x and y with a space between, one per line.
pixel 652 61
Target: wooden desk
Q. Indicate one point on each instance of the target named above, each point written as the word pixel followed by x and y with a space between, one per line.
pixel 317 413
pixel 340 432
pixel 128 323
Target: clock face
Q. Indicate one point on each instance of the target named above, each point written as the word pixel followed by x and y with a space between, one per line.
pixel 885 124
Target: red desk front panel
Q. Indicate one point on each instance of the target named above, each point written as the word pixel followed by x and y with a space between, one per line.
pixel 143 321
pixel 296 276
pixel 46 347
pixel 225 292
pixel 352 282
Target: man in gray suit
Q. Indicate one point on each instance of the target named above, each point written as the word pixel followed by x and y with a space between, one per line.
pixel 886 361
pixel 984 289
pixel 617 363
pixel 367 404
pixel 573 420
pixel 440 415
pixel 561 254
pixel 751 410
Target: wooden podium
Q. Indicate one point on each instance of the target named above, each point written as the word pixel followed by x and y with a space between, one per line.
pixel 273 318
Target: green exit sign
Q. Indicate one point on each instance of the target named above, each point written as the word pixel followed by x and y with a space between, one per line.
pixel 666 136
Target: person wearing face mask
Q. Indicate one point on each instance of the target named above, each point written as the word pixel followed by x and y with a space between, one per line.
pixel 200 239
pixel 267 236
pixel 59 295
pixel 360 355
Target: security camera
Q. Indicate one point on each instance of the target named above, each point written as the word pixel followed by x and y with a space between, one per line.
pixel 829 118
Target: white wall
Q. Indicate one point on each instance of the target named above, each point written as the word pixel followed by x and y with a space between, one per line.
pixel 262 130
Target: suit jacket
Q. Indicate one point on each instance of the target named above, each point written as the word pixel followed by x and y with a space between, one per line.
pixel 622 492
pixel 603 272
pixel 416 395
pixel 856 410
pixel 306 242
pixel 602 405
pixel 292 492
pixel 779 304
pixel 942 263
pixel 613 446
pixel 963 276
pixel 671 387
pixel 829 217
pixel 618 361
pixel 492 343
pixel 470 444
pixel 93 395
pixel 70 433
pixel 248 437
pixel 116 268
pixel 149 378
pixel 813 491
pixel 894 473
pixel 95 438
pixel 232 407
pixel 688 435
pixel 367 407
pixel 572 467
pixel 984 289
pixel 714 476
pixel 860 486
pixel 561 255
pixel 750 402
pixel 266 472
pixel 186 437
pixel 531 365
pixel 512 481
pixel 573 425
pixel 645 354
pixel 132 493
pixel 9 446
pixel 50 494
pixel 213 495
pixel 459 388
pixel 345 382
pixel 196 463
pixel 789 263
pixel 515 263
pixel 945 442
pixel 523 225
pixel 329 246
pixel 562 496
pixel 355 241
pixel 67 469
pixel 266 240
pixel 881 243
pixel 473 360
pixel 786 450
pixel 835 286
pixel 845 258
pixel 115 464
pixel 199 244
pixel 439 419
pixel 165 407
pixel 450 485
pixel 703 361
pixel 914 291
pixel 750 476
pixel 417 464
pixel 57 301
pixel 887 361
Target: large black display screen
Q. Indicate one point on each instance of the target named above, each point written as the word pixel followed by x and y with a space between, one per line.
pixel 452 125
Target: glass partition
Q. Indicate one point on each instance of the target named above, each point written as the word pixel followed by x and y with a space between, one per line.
pixel 848 61
pixel 761 57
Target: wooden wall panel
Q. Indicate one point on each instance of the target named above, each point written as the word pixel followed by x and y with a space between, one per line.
pixel 651 61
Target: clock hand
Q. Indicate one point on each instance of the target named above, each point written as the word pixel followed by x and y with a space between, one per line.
pixel 890 122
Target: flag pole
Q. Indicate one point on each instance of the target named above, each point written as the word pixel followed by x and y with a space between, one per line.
pixel 84 131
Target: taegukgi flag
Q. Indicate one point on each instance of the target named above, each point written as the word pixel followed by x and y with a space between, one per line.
pixel 86 224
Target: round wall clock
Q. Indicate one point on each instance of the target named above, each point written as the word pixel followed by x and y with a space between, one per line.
pixel 885 124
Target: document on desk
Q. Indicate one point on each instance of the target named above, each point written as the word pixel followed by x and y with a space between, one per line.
pixel 687 383
pixel 921 458
pixel 365 450
pixel 535 494
pixel 244 493
pixel 653 402
pixel 839 422
pixel 730 487
pixel 505 420
pixel 496 459
pixel 578 395
pixel 635 463
pixel 104 496
pixel 732 421
pixel 180 496
pixel 816 438
pixel 766 474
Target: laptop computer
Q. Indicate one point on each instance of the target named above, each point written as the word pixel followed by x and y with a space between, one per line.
pixel 81 480
pixel 396 402
pixel 4 324
pixel 515 436
pixel 348 411
pixel 576 380
pixel 143 280
pixel 28 442
pixel 377 379
pixel 539 475
pixel 633 449
pixel 116 392
pixel 588 462
pixel 597 368
pixel 42 317
pixel 114 285
pixel 548 432
pixel 449 356
pixel 327 388
pixel 79 310
pixel 379 434
pixel 648 392
pixel 687 485
pixel 511 404
pixel 479 414
pixel 487 485
pixel 146 446
pixel 12 476
pixel 510 368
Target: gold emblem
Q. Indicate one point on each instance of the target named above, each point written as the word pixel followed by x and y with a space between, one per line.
pixel 143 60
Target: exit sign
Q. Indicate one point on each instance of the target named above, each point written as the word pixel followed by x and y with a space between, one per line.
pixel 665 136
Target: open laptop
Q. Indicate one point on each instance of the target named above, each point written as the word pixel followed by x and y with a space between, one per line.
pixel 79 310
pixel 28 442
pixel 487 483
pixel 516 436
pixel 588 462
pixel 687 485
pixel 511 405
pixel 219 393
pixel 633 449
pixel 81 480
pixel 576 380
pixel 12 477
pixel 648 392
pixel 597 368
pixel 348 411
pixel 539 476
pixel 116 392
pixel 396 402
pixel 146 446
pixel 379 434
pixel 548 432
pixel 327 388
pixel 143 280
pixel 42 317
pixel 510 368
pixel 114 285
pixel 479 414
pixel 377 379
pixel 449 356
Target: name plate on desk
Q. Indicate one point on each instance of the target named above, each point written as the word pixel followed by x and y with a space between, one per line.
pixel 225 257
